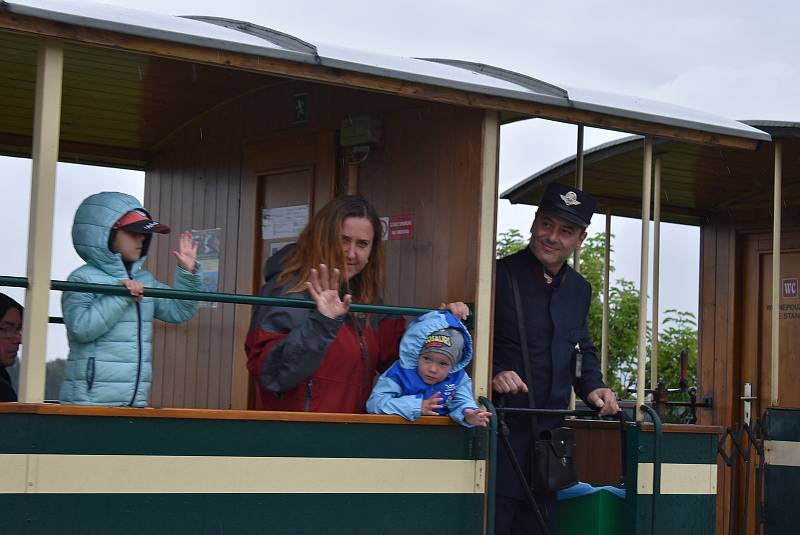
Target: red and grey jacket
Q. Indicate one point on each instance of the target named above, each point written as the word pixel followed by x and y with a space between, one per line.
pixel 305 361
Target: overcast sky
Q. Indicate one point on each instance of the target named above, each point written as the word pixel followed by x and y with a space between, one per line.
pixel 733 58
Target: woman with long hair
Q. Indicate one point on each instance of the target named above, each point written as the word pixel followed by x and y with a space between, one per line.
pixel 325 359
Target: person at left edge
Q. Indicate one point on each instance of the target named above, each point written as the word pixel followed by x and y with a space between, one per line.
pixel 10 339
pixel 110 336
pixel 325 359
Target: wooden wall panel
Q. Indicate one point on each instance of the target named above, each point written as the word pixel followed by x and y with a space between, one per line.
pixel 429 157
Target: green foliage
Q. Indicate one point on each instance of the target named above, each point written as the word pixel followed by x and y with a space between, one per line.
pixel 509 243
pixel 53 378
pixel 678 329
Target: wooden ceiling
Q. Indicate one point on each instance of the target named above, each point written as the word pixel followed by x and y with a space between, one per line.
pixel 117 107
pixel 698 182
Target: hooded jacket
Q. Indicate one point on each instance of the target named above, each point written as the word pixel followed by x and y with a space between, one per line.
pixel 305 361
pixel 401 390
pixel 110 336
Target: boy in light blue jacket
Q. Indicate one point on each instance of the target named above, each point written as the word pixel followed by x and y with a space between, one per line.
pixel 110 336
pixel 429 378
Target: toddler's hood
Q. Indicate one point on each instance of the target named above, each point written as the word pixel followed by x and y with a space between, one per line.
pixel 415 335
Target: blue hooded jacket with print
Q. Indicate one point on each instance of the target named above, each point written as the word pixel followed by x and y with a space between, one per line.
pixel 401 390
pixel 110 336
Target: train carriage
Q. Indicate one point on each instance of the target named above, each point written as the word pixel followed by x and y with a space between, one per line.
pixel 236 125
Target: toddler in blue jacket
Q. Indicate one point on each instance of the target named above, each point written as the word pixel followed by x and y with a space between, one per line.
pixel 429 378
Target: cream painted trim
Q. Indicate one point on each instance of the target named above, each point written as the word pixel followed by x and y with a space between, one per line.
pixel 143 474
pixel 775 328
pixel 781 453
pixel 486 251
pixel 46 124
pixel 678 478
pixel 644 274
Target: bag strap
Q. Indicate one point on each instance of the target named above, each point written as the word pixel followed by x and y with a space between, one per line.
pixel 523 342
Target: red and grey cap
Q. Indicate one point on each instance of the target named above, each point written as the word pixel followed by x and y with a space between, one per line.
pixel 139 221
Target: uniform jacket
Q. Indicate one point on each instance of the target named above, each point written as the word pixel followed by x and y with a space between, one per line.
pixel 305 361
pixel 110 336
pixel 400 390
pixel 555 321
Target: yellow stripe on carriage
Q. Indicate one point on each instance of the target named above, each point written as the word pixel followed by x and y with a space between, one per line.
pixel 679 478
pixel 80 474
pixel 781 453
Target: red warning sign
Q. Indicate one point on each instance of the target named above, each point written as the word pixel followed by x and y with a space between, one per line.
pixel 401 227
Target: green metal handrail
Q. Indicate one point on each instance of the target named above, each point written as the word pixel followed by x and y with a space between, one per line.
pixel 491 465
pixel 109 289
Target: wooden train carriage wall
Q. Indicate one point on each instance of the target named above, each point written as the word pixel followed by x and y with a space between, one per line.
pixel 254 151
pixel 735 306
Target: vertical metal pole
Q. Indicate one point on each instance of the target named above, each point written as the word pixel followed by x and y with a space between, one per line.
pixel 776 272
pixel 656 278
pixel 46 123
pixel 606 286
pixel 486 247
pixel 576 256
pixel 643 273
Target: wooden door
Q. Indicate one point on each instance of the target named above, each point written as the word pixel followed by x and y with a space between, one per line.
pixel 283 179
pixel 756 341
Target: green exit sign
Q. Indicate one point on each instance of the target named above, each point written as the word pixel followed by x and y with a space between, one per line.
pixel 300 108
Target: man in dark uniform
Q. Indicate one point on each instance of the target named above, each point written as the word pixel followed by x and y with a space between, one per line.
pixel 555 302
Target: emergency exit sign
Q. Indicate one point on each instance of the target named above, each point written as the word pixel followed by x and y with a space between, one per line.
pixel 789 287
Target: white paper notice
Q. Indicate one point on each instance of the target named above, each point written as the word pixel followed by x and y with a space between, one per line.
pixel 283 222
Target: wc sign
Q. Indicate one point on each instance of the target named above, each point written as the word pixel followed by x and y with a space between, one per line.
pixel 789 287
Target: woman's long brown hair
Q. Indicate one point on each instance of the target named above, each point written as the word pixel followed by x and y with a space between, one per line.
pixel 321 243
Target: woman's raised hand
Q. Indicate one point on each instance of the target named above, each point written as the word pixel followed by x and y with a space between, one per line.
pixel 323 285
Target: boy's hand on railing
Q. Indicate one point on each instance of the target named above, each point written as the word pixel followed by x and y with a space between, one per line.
pixel 477 417
pixel 430 405
pixel 508 382
pixel 323 285
pixel 136 288
pixel 187 251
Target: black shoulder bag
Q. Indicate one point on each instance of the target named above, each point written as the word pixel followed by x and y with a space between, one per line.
pixel 552 465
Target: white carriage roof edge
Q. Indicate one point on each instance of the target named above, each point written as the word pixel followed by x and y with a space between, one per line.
pixel 184 30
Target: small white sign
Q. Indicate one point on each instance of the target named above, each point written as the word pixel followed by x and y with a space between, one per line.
pixel 283 222
pixel 385 228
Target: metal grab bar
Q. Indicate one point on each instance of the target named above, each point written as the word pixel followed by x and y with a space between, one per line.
pixel 656 463
pixel 109 289
pixel 492 465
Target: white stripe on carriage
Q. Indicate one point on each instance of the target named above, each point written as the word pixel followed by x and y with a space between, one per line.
pixel 80 474
pixel 781 453
pixel 679 478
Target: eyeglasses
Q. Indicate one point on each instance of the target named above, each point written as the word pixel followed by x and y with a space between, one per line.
pixel 8 330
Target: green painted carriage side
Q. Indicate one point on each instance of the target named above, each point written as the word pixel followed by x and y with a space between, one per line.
pixel 782 481
pixel 91 435
pixel 675 513
pixel 241 513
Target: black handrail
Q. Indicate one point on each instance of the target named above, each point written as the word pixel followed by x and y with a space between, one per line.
pixel 656 462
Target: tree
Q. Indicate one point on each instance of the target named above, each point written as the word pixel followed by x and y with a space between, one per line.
pixel 679 329
pixel 509 243
pixel 54 376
